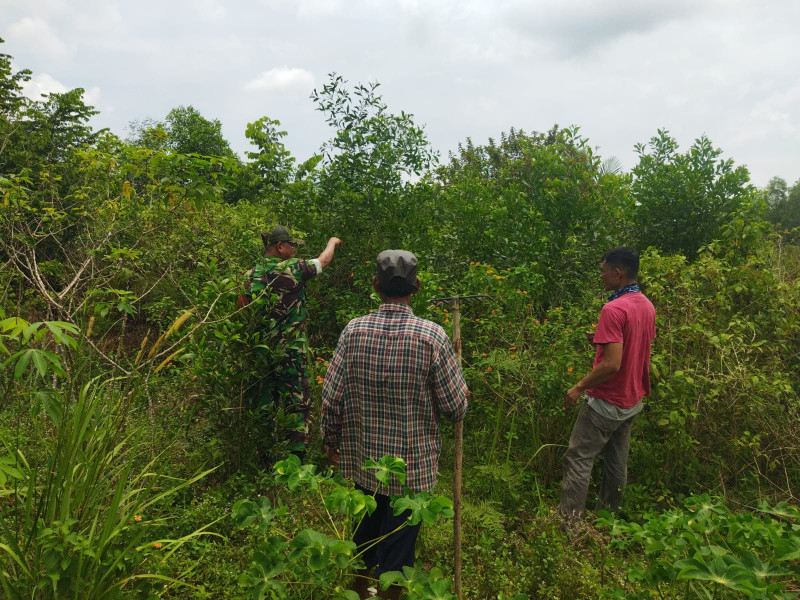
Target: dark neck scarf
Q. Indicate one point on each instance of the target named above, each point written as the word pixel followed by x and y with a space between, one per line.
pixel 627 289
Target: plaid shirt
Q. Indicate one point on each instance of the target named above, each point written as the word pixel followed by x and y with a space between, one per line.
pixel 391 377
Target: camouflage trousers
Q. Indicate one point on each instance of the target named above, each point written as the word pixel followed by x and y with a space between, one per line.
pixel 289 392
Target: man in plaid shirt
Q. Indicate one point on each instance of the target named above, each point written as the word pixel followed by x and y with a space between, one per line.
pixel 390 379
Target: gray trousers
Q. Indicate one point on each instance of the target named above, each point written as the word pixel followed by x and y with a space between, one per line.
pixel 594 434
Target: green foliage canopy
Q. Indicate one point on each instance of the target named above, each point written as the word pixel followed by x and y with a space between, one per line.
pixel 783 203
pixel 684 199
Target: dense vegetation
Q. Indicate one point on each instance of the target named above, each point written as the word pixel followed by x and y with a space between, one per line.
pixel 127 442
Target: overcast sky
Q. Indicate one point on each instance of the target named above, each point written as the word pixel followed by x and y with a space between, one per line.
pixel 618 69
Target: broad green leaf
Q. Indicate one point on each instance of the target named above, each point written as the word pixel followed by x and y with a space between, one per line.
pixel 762 570
pixel 22 364
pixel 781 509
pixel 352 502
pixel 386 467
pixel 247 511
pixel 30 330
pixel 422 507
pixel 388 578
pixel 55 362
pixel 787 549
pixel 318 558
pixel 40 362
pixel 295 475
pixel 60 331
pixel 15 325
pixel 717 571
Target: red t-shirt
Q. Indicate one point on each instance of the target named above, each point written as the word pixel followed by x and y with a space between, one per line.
pixel 631 321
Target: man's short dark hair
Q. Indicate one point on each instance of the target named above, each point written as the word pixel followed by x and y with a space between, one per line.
pixel 624 258
pixel 396 287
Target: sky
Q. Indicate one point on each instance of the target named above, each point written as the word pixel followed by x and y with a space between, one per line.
pixel 618 69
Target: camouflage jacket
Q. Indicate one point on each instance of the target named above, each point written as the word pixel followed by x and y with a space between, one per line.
pixel 281 283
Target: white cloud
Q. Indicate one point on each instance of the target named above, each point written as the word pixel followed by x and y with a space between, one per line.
pixel 773 117
pixel 43 83
pixel 92 97
pixel 315 9
pixel 40 84
pixel 37 35
pixel 282 79
pixel 211 11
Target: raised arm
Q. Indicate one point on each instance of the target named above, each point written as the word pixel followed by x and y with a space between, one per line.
pixel 327 255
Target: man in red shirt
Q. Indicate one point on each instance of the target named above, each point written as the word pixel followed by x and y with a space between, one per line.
pixel 613 389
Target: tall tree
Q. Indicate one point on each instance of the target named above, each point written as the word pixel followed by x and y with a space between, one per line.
pixel 367 165
pixel 536 199
pixel 783 203
pixel 185 131
pixel 373 149
pixel 792 215
pixel 273 162
pixel 33 132
pixel 191 133
pixel 684 199
pixel 11 98
pixel 776 192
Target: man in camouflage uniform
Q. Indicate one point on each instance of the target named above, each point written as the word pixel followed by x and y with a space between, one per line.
pixel 280 279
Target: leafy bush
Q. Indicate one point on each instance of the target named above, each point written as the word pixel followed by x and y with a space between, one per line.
pixel 73 524
pixel 313 564
pixel 710 552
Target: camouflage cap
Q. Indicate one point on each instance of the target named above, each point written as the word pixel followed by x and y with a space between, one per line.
pixel 397 263
pixel 279 233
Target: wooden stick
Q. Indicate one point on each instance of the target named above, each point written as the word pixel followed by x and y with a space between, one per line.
pixel 455 302
pixel 458 462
